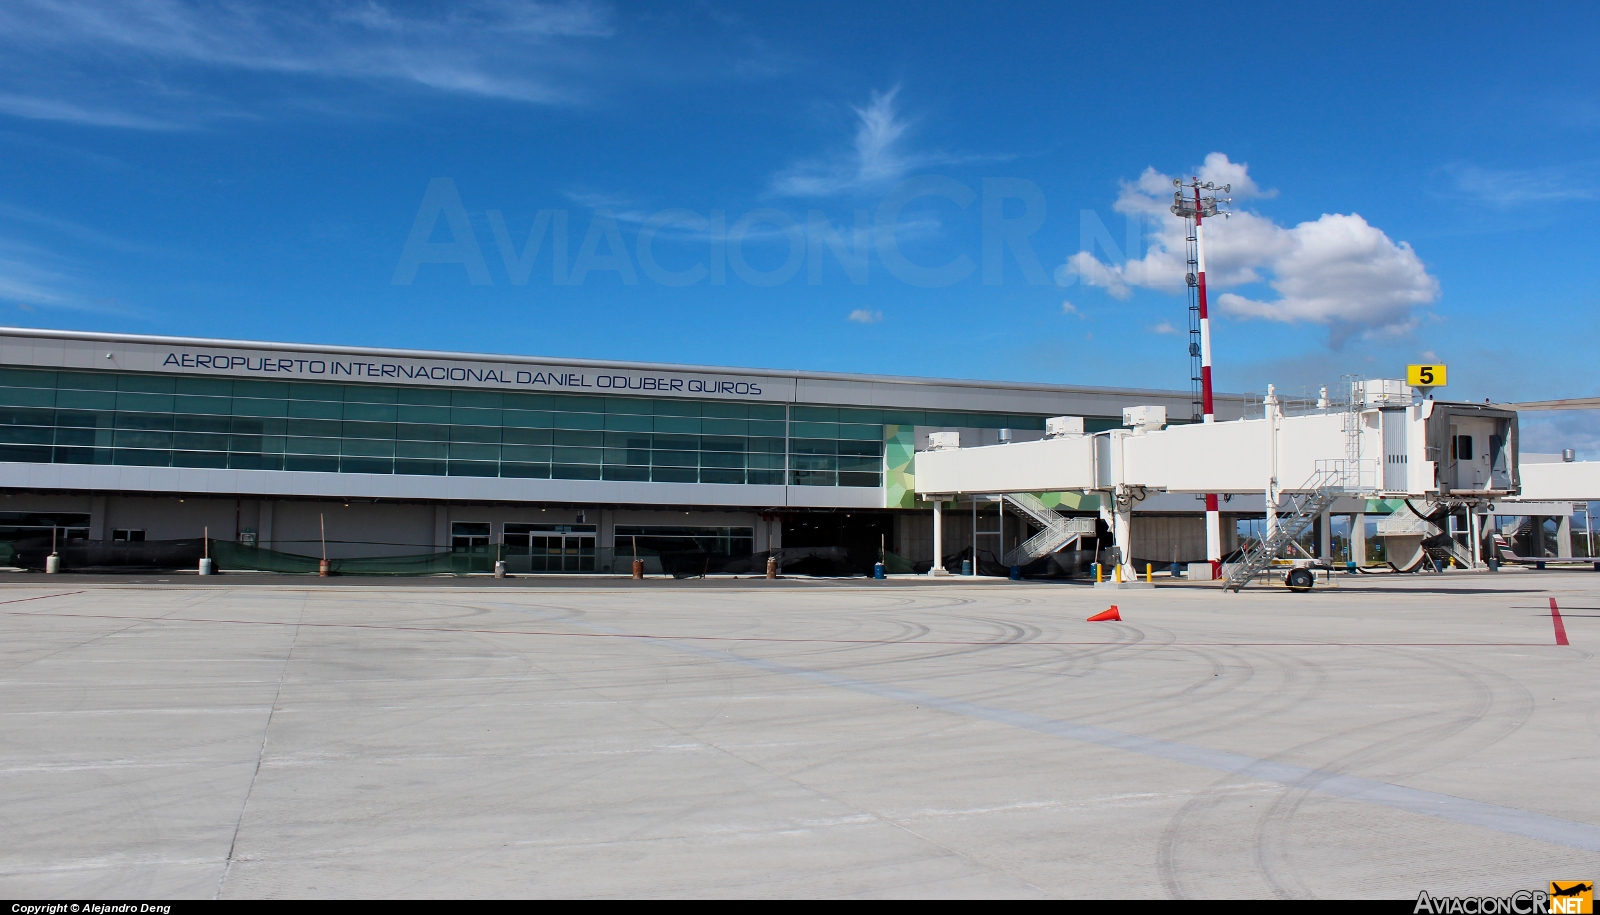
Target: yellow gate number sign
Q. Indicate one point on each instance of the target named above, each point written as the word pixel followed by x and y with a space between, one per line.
pixel 1425 376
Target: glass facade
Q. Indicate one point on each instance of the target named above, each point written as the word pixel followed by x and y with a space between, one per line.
pixel 166 421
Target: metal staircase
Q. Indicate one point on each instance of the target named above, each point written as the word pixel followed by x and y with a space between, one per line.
pixel 1303 511
pixel 1058 532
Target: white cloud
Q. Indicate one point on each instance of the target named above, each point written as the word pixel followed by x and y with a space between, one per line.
pixel 863 316
pixel 1067 308
pixel 1337 271
pixel 1518 187
pixel 1550 432
pixel 877 158
pixel 33 277
pixel 151 64
pixel 1165 327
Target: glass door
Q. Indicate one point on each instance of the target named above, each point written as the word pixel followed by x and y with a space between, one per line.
pixel 469 542
pixel 553 547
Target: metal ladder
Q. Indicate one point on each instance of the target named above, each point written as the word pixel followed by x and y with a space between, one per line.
pixel 1303 511
pixel 1058 531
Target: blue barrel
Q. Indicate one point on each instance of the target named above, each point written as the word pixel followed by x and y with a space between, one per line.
pixel 877 570
pixel 966 567
pixel 1016 573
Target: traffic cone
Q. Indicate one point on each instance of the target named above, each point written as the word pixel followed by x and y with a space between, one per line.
pixel 1109 616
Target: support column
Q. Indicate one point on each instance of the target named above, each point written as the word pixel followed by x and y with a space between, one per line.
pixel 1564 537
pixel 1325 537
pixel 264 523
pixel 1475 537
pixel 97 518
pixel 441 528
pixel 1271 411
pixel 1121 536
pixel 1358 538
pixel 938 539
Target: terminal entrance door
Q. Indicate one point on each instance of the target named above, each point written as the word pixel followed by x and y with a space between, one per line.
pixel 550 547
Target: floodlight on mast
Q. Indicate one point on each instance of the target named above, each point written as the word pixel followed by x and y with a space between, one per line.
pixel 1193 201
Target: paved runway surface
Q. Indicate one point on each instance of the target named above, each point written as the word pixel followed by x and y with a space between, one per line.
pixel 273 737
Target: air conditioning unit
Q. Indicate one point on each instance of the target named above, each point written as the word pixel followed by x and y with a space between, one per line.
pixel 1057 426
pixel 944 441
pixel 1144 419
pixel 1385 392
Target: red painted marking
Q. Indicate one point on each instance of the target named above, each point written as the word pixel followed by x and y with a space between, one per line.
pixel 18 600
pixel 1555 617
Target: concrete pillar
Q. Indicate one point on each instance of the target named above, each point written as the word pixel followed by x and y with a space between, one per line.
pixel 1122 537
pixel 1474 537
pixel 97 518
pixel 938 540
pixel 1358 538
pixel 1325 537
pixel 264 532
pixel 441 528
pixel 1564 537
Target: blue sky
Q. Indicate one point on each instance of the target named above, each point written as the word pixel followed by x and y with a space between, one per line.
pixel 1412 184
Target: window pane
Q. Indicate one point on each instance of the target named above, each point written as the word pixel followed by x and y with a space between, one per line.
pixel 475 434
pixel 525 436
pixel 312 445
pixel 525 471
pixel 126 439
pixel 201 423
pixel 525 453
pixel 431 450
pixel 366 465
pixel 150 421
pixel 200 459
pixel 578 421
pixel 578 439
pixel 421 433
pixel 578 456
pixel 317 427
pixel 631 474
pixel 576 471
pixel 420 467
pixel 315 409
pixel 357 447
pixel 136 458
pixel 414 414
pixel 467 452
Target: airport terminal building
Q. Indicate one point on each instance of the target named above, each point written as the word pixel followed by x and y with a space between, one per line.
pixel 557 465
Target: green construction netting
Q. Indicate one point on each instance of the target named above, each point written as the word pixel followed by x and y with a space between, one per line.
pixel 897 565
pixel 230 556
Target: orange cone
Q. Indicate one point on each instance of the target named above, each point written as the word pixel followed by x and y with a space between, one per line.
pixel 1109 616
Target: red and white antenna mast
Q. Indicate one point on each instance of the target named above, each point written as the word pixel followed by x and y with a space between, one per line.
pixel 1195 201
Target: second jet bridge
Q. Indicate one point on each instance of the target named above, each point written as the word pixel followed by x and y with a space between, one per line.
pixel 1382 443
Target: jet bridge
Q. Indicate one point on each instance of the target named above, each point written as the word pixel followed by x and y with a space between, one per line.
pixel 1382 442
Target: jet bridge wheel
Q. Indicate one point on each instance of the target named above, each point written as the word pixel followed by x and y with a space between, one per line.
pixel 1299 580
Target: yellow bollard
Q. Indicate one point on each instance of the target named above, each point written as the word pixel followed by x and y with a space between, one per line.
pixel 1099 569
pixel 1118 573
pixel 1147 579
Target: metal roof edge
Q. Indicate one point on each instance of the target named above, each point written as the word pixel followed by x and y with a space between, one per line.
pixel 101 336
